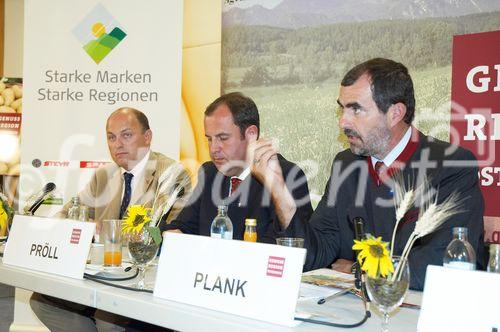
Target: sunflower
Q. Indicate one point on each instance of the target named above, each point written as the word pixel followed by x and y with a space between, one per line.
pixel 6 214
pixel 4 219
pixel 374 256
pixel 137 217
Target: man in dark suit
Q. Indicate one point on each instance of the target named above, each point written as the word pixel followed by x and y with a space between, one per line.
pixel 231 124
pixel 377 103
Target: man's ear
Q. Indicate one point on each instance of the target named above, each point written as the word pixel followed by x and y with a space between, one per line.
pixel 252 133
pixel 396 113
pixel 148 135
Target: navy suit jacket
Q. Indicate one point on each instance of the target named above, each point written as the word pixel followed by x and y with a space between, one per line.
pixel 251 200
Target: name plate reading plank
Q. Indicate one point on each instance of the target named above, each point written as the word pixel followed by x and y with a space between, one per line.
pixel 254 280
pixel 57 246
pixel 459 300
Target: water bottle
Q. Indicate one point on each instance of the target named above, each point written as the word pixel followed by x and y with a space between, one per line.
pixel 494 262
pixel 74 210
pixel 222 227
pixel 459 254
pixel 84 213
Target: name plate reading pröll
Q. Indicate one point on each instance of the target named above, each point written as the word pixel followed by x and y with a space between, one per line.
pixel 58 246
pixel 255 280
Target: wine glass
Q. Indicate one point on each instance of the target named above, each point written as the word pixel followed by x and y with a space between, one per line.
pixel 142 250
pixel 387 294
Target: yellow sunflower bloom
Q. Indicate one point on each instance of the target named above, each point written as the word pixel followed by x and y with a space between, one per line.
pixel 137 216
pixel 374 256
pixel 4 219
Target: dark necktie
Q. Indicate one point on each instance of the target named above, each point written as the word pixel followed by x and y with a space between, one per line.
pixel 127 193
pixel 235 182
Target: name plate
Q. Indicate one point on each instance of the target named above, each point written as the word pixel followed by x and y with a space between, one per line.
pixel 49 245
pixel 255 280
pixel 459 300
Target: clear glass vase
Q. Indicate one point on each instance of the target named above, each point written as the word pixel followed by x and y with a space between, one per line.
pixel 142 250
pixel 388 294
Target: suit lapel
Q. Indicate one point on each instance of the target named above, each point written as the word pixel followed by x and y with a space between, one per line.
pixel 112 210
pixel 355 210
pixel 144 193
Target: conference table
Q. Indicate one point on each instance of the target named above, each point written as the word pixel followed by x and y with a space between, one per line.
pixel 183 317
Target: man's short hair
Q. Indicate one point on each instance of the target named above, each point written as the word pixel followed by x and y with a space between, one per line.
pixel 243 109
pixel 141 117
pixel 390 84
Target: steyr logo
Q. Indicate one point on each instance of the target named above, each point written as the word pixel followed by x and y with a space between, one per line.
pixel 99 33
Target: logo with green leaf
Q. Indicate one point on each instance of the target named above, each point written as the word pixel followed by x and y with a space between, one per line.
pixel 99 33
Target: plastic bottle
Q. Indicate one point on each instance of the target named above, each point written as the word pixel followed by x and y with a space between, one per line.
pixel 459 254
pixel 222 227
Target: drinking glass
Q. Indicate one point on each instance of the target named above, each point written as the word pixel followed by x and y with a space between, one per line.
pixel 142 250
pixel 296 242
pixel 112 238
pixel 386 294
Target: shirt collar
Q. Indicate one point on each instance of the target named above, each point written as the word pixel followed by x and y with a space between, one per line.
pixel 396 151
pixel 139 168
pixel 243 175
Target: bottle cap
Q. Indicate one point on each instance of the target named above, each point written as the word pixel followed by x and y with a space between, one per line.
pixel 250 222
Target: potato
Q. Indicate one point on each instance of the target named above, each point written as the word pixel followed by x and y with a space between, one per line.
pixel 7 109
pixel 20 109
pixel 8 96
pixel 18 91
pixel 16 103
pixel 3 168
pixel 1 101
pixel 14 170
pixel 2 86
pixel 16 158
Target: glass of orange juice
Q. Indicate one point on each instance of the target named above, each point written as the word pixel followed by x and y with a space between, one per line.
pixel 112 238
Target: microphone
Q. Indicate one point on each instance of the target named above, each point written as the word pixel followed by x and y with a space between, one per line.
pixel 359 234
pixel 359 228
pixel 35 200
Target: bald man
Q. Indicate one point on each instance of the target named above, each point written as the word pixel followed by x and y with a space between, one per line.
pixel 137 176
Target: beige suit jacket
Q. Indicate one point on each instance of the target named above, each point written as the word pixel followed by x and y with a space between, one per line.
pixel 164 181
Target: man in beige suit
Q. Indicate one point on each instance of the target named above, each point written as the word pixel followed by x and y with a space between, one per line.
pixel 155 178
pixel 137 176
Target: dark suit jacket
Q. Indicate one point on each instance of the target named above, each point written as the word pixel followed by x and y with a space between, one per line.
pixel 251 200
pixel 352 192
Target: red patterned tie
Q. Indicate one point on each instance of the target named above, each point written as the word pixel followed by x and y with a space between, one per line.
pixel 381 170
pixel 380 167
pixel 235 182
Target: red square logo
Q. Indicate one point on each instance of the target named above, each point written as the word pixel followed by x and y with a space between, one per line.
pixel 275 266
pixel 75 236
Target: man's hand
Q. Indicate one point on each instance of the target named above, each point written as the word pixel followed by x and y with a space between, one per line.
pixel 263 157
pixel 342 265
pixel 263 160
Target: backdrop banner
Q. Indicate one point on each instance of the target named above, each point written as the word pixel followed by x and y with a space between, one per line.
pixel 475 120
pixel 82 61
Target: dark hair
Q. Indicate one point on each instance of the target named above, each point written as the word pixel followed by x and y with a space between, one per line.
pixel 243 109
pixel 390 84
pixel 141 117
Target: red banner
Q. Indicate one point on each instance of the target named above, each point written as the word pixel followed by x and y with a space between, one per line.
pixel 475 120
